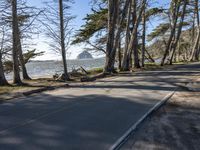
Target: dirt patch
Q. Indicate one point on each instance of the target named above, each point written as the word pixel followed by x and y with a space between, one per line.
pixel 175 126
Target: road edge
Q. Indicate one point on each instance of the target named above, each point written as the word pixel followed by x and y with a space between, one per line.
pixel 124 138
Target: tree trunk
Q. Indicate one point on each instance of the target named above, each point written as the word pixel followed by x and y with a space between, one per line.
pixel 173 31
pixel 62 40
pixel 119 56
pixel 135 50
pixel 3 80
pixel 15 49
pixel 195 54
pixel 133 40
pixel 144 36
pixel 193 31
pixel 23 66
pixel 179 52
pixel 112 20
pixel 179 32
pixel 21 60
pixel 126 59
pixel 119 29
pixel 149 56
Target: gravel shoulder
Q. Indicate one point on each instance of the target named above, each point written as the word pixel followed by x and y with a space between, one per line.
pixel 175 126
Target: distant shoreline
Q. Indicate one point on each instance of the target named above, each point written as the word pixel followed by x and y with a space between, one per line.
pixel 49 68
pixel 67 60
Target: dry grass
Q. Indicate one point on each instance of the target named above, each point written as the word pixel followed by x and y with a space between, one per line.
pixel 43 82
pixel 8 92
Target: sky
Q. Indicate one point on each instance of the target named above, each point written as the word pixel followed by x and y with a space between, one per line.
pixel 80 8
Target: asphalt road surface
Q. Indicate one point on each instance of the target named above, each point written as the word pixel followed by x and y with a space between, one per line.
pixel 91 116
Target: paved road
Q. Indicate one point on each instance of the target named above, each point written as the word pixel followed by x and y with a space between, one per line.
pixel 87 117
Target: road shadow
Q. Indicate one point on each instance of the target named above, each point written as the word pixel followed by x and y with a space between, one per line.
pixel 47 122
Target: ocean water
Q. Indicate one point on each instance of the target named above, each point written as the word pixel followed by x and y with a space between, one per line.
pixel 49 68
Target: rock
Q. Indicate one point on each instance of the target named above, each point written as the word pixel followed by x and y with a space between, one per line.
pixel 84 55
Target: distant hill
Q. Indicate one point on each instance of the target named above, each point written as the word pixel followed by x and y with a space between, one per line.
pixel 84 55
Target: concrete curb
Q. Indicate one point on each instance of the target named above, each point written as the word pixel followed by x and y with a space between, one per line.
pixel 124 138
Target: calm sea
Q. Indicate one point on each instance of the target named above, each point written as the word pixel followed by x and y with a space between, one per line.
pixel 49 68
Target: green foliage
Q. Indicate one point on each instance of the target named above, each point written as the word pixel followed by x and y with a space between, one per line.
pixel 31 54
pixel 8 64
pixel 184 24
pixel 22 19
pixel 159 31
pixel 153 12
pixel 94 22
